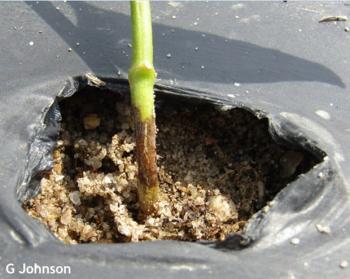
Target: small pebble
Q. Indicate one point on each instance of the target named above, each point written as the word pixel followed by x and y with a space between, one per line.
pixel 196 48
pixel 174 4
pixel 66 217
pixel 107 179
pixel 344 264
pixel 222 207
pixel 70 49
pixel 237 6
pixel 31 43
pixel 168 55
pixel 271 203
pixel 323 229
pixel 202 67
pixel 323 114
pixel 91 121
pixel 237 84
pixel 60 143
pixel 75 197
pixel 295 241
pixel 347 29
pixel 266 209
pixel 43 212
pixel 77 44
pixel 173 17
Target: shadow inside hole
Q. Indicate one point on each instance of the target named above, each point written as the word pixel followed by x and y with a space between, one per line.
pixel 201 148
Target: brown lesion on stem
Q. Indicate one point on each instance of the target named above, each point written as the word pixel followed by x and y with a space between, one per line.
pixel 146 156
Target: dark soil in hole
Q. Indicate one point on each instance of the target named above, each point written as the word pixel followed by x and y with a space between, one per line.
pixel 216 169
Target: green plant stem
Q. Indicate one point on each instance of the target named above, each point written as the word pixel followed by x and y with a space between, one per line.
pixel 141 79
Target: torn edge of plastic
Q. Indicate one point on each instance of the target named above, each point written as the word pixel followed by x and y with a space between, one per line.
pixel 42 142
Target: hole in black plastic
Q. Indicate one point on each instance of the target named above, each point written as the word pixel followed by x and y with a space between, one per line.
pixel 235 142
